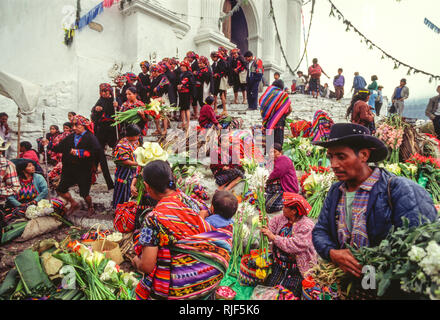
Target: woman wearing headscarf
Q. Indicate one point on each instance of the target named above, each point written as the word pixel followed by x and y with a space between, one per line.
pixel 54 131
pixel 219 73
pixel 185 88
pixel 160 86
pixel 126 164
pixel 102 117
pixel 131 103
pixel 172 77
pixel 238 65
pixel 292 248
pixel 282 179
pixel 54 175
pixel 144 82
pixel 181 255
pixel 202 86
pixel 81 151
pixel 67 130
pixel 129 79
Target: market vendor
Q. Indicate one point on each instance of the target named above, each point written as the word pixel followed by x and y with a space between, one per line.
pixel 173 239
pixel 33 186
pixel 282 179
pixel 358 209
pixel 292 248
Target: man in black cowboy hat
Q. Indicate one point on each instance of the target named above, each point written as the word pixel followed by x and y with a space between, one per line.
pixel 358 210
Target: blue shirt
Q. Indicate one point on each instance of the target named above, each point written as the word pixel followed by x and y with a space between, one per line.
pixel 398 93
pixel 217 221
pixel 77 137
pixel 359 82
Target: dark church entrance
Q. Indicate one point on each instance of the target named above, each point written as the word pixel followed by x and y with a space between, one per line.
pixel 235 28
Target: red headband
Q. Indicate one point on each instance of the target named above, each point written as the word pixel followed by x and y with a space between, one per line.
pixel 291 199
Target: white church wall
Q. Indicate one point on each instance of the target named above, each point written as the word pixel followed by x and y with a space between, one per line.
pixel 32 48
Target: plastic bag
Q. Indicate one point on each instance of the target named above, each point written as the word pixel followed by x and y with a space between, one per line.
pixel 264 293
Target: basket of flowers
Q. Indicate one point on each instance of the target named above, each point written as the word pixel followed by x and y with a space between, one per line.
pixel 225 293
pixel 254 268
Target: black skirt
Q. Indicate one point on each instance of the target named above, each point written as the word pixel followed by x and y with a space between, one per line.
pixel 184 100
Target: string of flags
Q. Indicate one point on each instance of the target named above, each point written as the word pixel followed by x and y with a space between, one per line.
pixel 85 19
pixel 397 63
pixel 432 26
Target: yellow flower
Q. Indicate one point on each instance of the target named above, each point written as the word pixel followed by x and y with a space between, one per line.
pixel 261 263
pixel 158 152
pixel 394 168
pixel 140 157
pixel 261 274
pixel 412 169
pixel 149 152
pixel 155 104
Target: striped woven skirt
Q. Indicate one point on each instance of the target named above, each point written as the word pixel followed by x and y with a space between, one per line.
pixel 123 178
pixel 189 279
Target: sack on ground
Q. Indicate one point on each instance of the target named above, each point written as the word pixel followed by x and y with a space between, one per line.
pixel 39 226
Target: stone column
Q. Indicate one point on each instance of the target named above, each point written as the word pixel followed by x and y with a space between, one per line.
pixel 293 34
pixel 270 44
pixel 209 37
pixel 210 14
pixel 268 35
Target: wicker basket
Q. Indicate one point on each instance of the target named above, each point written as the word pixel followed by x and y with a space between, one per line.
pixel 219 296
pixel 248 275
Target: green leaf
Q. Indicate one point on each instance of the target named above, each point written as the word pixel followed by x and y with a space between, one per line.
pixel 384 283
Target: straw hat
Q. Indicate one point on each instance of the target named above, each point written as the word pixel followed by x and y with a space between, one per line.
pixel 3 145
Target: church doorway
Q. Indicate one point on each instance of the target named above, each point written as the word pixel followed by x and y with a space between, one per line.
pixel 235 28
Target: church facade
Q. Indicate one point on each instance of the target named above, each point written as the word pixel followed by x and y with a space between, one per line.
pixel 123 35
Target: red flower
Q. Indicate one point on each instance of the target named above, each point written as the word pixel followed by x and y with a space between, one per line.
pixel 308 283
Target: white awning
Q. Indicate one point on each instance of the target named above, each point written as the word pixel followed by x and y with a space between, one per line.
pixel 24 93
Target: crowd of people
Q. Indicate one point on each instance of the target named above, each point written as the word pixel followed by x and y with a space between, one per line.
pixel 180 233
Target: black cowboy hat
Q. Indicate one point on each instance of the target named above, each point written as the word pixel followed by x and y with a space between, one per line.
pixel 355 134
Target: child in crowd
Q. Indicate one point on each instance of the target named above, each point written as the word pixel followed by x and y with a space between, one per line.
pixel 185 89
pixel 26 152
pixel 300 82
pixel 277 81
pixel 293 87
pixel 326 91
pixel 207 117
pixel 224 205
pixel 70 115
